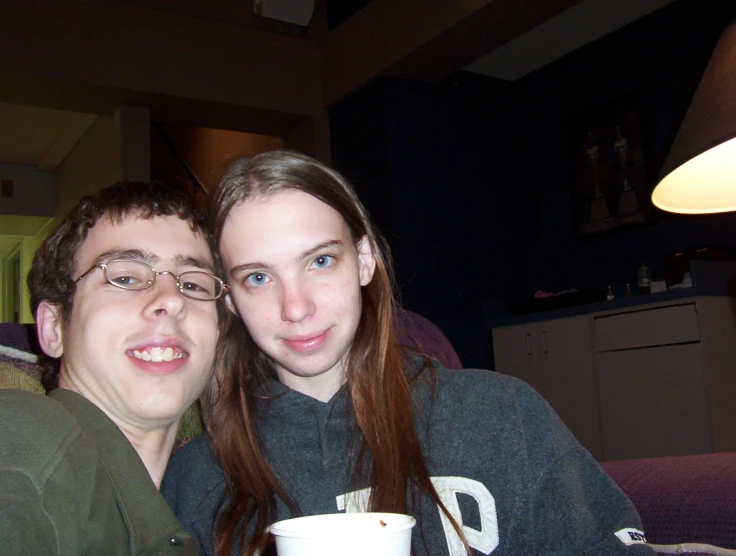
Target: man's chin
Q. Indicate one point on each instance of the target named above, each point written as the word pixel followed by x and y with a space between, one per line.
pixel 162 413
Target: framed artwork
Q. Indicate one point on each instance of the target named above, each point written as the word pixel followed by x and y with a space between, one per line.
pixel 607 168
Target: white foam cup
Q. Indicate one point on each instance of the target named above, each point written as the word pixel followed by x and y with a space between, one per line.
pixel 353 534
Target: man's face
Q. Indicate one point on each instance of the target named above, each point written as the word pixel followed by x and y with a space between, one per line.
pixel 296 276
pixel 114 337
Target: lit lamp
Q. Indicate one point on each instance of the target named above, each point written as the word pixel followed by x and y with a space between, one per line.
pixel 699 175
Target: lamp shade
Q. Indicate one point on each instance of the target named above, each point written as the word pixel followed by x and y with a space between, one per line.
pixel 699 175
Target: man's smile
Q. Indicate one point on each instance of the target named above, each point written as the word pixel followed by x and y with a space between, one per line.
pixel 157 354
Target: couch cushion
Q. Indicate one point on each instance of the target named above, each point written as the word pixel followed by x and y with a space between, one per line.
pixel 682 499
pixel 12 375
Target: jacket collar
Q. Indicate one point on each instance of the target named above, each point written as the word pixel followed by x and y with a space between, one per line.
pixel 146 513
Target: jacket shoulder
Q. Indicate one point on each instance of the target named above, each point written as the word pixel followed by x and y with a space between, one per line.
pixel 33 427
pixel 27 408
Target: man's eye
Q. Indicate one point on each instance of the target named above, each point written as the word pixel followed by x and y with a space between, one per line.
pixel 256 279
pixel 194 287
pixel 323 261
pixel 124 281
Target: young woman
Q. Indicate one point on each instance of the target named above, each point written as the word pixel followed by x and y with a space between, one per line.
pixel 317 409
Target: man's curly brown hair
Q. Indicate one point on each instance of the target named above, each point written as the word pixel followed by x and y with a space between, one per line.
pixel 53 272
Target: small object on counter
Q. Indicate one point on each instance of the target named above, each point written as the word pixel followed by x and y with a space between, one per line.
pixel 609 293
pixel 658 286
pixel 628 292
pixel 687 282
pixel 541 294
pixel 644 275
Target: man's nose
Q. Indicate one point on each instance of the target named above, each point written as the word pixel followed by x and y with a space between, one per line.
pixel 166 296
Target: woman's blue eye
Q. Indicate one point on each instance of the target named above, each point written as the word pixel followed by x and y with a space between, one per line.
pixel 256 279
pixel 323 261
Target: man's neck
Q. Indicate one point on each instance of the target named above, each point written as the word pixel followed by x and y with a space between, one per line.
pixel 154 448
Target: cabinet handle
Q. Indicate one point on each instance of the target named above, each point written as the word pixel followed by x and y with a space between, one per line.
pixel 528 343
pixel 544 341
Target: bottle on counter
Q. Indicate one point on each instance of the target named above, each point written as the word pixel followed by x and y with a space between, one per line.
pixel 628 292
pixel 609 293
pixel 645 279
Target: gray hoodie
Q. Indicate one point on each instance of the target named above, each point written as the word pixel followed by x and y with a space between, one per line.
pixel 499 457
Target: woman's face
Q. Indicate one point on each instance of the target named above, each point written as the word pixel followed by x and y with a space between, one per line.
pixel 296 276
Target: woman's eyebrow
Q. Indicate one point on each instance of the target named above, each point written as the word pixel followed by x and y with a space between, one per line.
pixel 317 248
pixel 255 265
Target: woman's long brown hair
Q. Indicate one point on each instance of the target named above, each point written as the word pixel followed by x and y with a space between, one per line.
pixel 387 446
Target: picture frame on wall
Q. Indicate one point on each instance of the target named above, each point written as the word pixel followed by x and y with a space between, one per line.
pixel 610 186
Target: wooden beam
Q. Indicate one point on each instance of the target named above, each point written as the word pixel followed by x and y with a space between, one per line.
pixel 104 45
pixel 423 39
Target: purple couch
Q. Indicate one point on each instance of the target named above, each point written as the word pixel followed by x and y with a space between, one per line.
pixel 687 503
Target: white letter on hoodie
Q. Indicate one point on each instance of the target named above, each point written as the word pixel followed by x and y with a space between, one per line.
pixel 485 540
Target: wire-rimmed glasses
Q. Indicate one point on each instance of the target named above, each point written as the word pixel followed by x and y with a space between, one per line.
pixel 135 275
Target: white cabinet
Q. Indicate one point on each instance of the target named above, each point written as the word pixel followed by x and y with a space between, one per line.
pixel 666 378
pixel 516 350
pixel 556 358
pixel 646 380
pixel 653 402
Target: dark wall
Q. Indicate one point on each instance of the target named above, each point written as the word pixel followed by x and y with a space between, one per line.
pixel 659 60
pixel 469 178
pixel 418 162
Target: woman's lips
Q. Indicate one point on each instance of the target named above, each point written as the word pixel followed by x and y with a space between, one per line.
pixel 307 345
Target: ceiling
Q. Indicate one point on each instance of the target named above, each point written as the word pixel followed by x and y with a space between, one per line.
pixel 42 137
pixel 39 137
pixel 572 29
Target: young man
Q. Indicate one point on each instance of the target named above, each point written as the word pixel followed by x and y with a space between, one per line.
pixel 125 297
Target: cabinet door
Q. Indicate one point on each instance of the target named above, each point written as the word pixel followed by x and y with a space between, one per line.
pixel 516 353
pixel 653 402
pixel 568 377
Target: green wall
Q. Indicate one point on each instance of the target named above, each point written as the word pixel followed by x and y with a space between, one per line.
pixel 20 236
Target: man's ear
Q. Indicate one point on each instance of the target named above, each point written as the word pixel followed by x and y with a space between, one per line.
pixel 230 305
pixel 48 324
pixel 366 261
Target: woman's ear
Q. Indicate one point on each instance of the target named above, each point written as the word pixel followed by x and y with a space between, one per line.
pixel 366 261
pixel 48 325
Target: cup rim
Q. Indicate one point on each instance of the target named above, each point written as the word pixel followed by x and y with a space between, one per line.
pixel 282 529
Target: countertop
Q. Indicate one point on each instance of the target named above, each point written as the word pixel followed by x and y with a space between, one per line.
pixel 708 277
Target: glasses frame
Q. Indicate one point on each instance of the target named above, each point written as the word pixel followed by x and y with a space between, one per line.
pixel 156 273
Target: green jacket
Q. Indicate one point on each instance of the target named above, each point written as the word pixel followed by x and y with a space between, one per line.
pixel 71 484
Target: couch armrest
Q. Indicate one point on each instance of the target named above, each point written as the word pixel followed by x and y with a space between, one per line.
pixel 682 499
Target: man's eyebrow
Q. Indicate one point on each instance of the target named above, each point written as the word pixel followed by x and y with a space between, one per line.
pixel 127 255
pixel 258 265
pixel 196 262
pixel 151 258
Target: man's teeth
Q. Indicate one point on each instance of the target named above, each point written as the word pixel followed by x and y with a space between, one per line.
pixel 157 354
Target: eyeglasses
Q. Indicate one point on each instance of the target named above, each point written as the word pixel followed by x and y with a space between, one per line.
pixel 138 276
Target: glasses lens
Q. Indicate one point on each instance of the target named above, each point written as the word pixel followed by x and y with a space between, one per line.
pixel 129 275
pixel 200 285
